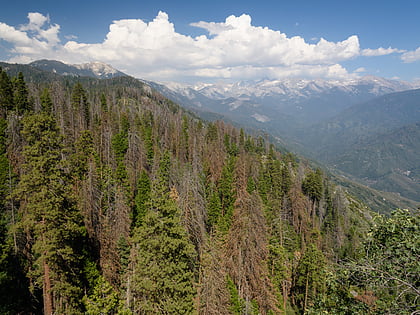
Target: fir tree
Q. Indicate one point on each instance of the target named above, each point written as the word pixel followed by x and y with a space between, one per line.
pixel 310 277
pixel 142 199
pixel 164 265
pixel 6 93
pixel 312 186
pixel 81 105
pixel 49 215
pixel 46 102
pixel 20 97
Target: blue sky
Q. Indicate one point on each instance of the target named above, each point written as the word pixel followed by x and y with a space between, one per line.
pixel 230 40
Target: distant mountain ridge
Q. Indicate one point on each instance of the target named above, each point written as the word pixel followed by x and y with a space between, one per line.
pixel 377 141
pixel 307 101
pixel 95 69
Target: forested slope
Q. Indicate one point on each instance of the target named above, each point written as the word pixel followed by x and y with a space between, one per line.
pixel 114 200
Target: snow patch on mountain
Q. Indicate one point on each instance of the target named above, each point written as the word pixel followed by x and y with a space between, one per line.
pixel 292 88
pixel 100 69
pixel 260 118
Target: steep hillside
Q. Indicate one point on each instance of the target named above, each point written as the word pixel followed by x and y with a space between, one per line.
pixel 388 161
pixel 114 198
pixel 377 142
pixel 376 116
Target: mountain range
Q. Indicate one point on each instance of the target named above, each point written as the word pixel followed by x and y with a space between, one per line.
pixel 306 101
pixel 96 69
pixel 366 127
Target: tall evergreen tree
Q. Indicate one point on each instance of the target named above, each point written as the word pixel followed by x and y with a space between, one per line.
pixel 46 102
pixel 6 93
pixel 21 100
pixel 164 264
pixel 49 217
pixel 142 199
pixel 81 105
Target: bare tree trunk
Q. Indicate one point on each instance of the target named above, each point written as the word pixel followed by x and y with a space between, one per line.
pixel 306 292
pixel 48 301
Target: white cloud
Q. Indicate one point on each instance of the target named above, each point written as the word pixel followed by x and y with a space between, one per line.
pixel 411 56
pixel 233 49
pixel 360 70
pixel 380 51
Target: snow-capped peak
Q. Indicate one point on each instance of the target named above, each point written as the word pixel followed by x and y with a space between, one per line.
pixel 98 68
pixel 292 88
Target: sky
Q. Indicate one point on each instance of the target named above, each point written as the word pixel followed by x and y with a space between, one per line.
pixel 208 41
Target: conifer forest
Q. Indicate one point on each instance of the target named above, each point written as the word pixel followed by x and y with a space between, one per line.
pixel 116 200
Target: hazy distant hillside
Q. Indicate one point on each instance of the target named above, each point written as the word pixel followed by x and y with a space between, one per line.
pixel 388 161
pixel 378 142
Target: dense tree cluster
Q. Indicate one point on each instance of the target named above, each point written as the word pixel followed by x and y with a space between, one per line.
pixel 114 200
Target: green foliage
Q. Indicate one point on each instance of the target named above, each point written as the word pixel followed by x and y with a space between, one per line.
pixel 214 207
pixel 147 131
pixel 312 185
pixel 84 152
pixel 142 199
pixel 103 300
pixel 337 298
pixel 237 304
pixel 278 263
pixel 6 93
pixel 20 95
pixel 310 276
pixel 120 145
pixel 250 185
pixel 104 104
pixel 390 265
pixel 227 196
pixel 80 103
pixel 230 146
pixel 49 214
pixel 46 102
pixel 164 266
pixel 212 132
pixel 123 252
pixel 185 136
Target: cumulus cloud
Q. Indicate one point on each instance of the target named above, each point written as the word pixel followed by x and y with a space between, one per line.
pixel 233 49
pixel 411 56
pixel 380 51
pixel 32 40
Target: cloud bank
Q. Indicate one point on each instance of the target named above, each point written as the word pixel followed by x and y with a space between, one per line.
pixel 411 56
pixel 233 49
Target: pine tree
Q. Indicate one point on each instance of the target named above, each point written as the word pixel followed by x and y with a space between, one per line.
pixel 81 105
pixel 103 300
pixel 50 217
pixel 227 195
pixel 6 93
pixel 21 100
pixel 164 264
pixel 312 186
pixel 310 276
pixel 142 199
pixel 14 287
pixel 46 102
